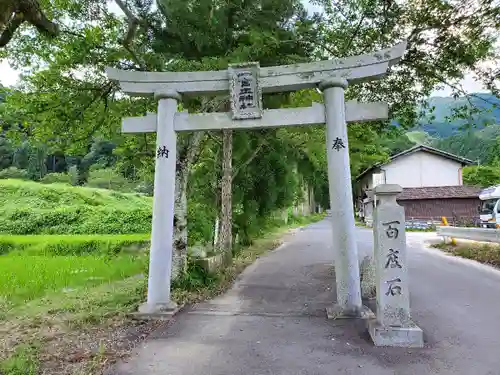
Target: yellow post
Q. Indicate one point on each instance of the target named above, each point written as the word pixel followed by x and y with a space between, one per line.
pixel 445 223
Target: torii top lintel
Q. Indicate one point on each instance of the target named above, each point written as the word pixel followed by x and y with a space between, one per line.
pixel 272 79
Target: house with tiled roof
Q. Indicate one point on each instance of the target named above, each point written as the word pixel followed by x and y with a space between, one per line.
pixel 432 185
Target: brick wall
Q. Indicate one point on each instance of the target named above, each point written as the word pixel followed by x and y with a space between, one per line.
pixel 436 208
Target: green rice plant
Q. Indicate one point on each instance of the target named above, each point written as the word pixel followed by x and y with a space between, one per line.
pixel 26 277
pixel 73 244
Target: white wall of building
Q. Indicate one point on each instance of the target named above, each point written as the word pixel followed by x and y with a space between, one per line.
pixel 367 181
pixel 422 169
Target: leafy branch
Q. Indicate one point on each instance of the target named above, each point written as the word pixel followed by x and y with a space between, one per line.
pixel 254 154
pixel 133 26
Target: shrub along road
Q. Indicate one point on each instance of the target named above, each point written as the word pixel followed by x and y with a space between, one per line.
pixel 273 321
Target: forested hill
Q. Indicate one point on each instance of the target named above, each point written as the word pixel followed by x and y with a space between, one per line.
pixel 439 125
pixel 474 138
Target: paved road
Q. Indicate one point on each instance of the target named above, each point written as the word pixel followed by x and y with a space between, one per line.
pixel 273 320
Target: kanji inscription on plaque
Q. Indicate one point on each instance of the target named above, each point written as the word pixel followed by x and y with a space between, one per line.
pixel 245 92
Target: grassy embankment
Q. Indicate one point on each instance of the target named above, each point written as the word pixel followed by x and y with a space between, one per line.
pixel 481 252
pixel 65 298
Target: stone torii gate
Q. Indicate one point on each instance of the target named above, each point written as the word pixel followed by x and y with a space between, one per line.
pixel 245 84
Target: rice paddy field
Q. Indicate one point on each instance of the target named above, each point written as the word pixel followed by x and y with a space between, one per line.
pixel 27 277
pixel 68 255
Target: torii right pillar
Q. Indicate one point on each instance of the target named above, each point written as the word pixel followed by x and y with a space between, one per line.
pixel 347 276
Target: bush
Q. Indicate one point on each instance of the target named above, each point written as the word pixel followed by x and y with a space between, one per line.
pixel 481 175
pixel 145 187
pixel 73 244
pixel 201 221
pixel 484 253
pixel 109 179
pixel 56 178
pixel 15 173
pixel 194 278
pixel 34 208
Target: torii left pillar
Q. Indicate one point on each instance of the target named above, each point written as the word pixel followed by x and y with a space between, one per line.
pixel 159 303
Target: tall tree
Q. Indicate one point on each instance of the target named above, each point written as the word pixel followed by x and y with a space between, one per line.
pixel 175 36
pixel 271 32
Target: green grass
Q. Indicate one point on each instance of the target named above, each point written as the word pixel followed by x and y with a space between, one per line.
pixel 26 277
pixel 23 361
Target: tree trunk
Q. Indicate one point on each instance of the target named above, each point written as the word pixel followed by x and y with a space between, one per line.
pixel 226 236
pixel 305 198
pixel 186 157
pixel 14 12
pixel 180 237
pixel 216 238
pixel 312 201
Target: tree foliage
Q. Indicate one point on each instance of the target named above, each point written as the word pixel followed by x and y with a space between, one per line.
pixel 482 175
pixel 445 38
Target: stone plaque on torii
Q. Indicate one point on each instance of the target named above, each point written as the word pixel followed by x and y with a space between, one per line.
pixel 245 83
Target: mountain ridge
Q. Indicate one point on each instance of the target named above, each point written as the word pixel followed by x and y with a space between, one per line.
pixel 438 120
pixel 474 138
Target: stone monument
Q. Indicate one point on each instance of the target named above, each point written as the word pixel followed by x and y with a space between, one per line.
pixel 393 325
pixel 245 83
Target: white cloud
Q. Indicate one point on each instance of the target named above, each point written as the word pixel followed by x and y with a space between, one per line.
pixel 469 83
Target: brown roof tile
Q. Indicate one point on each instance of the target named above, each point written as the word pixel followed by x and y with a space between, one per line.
pixel 440 192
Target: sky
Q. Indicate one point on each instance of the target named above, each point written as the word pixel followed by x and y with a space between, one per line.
pixel 9 76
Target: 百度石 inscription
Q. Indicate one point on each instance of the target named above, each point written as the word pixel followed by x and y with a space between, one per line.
pixel 245 92
pixel 393 325
pixel 392 261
